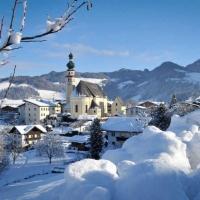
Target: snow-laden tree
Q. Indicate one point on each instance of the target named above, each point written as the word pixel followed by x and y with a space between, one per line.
pixel 96 139
pixel 13 147
pixel 50 146
pixel 4 160
pixel 161 118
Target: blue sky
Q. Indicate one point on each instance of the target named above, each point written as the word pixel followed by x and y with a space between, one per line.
pixel 133 34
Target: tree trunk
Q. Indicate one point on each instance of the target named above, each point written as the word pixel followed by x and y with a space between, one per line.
pixel 50 160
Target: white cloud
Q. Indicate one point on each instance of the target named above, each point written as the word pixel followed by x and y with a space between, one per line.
pixel 148 57
pixel 80 49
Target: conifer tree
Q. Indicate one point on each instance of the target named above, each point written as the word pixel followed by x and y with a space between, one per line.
pixel 173 101
pixel 96 139
pixel 161 118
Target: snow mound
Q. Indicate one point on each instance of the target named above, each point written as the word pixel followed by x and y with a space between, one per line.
pixel 152 144
pixel 186 129
pixel 90 179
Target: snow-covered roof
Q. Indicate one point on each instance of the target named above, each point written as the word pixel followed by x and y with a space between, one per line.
pixel 80 138
pixel 140 107
pixel 127 124
pixel 26 128
pixel 10 102
pixel 110 102
pixel 87 117
pixel 41 102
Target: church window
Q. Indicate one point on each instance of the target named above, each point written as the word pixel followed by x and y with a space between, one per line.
pixel 76 108
pixel 113 134
pixel 86 108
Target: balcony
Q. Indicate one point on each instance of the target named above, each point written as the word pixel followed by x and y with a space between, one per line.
pixel 121 138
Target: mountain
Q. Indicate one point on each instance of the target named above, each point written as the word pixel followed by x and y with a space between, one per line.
pixel 158 84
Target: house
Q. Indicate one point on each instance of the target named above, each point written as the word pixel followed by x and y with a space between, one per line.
pixel 26 135
pixel 119 129
pixel 136 111
pixel 85 98
pixel 80 142
pixel 151 106
pixel 109 106
pixel 36 110
pixel 7 108
pixel 118 107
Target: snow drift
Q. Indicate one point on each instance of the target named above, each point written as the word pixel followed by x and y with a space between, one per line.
pixel 153 165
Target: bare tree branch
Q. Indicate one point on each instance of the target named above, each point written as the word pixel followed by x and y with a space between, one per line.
pixel 10 83
pixel 1 27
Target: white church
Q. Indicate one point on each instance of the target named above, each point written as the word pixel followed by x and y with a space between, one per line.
pixel 85 98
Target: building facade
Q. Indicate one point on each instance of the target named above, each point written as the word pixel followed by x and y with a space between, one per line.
pixel 37 110
pixel 85 98
pixel 118 107
pixel 26 135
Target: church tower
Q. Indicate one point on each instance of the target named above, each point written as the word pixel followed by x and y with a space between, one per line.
pixel 70 78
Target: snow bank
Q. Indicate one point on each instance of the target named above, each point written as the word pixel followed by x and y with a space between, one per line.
pixel 90 179
pixel 186 129
pixel 152 144
pixel 152 165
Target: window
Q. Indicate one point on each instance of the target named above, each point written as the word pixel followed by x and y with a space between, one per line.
pixel 86 108
pixel 29 136
pixel 29 109
pixel 29 114
pixel 122 134
pixel 116 109
pixel 113 134
pixel 35 109
pixel 52 108
pixel 76 108
pixel 113 143
pixel 116 104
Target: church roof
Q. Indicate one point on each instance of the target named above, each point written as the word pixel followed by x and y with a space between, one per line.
pixel 87 89
pixel 93 104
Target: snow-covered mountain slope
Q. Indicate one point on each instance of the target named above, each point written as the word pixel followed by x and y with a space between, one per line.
pixel 158 84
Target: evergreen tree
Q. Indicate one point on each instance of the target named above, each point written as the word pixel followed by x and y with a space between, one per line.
pixel 173 101
pixel 161 118
pixel 96 139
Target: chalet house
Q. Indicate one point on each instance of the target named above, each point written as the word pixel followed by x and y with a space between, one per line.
pixel 84 98
pixel 136 111
pixel 119 129
pixel 151 106
pixel 26 135
pixel 80 142
pixel 36 110
pixel 7 108
pixel 118 107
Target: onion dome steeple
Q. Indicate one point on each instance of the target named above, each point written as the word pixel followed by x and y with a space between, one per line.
pixel 70 64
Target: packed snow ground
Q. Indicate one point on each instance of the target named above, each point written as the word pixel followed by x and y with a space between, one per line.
pixel 152 165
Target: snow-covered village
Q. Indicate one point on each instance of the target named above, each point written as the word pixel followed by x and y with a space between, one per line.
pixel 92 106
